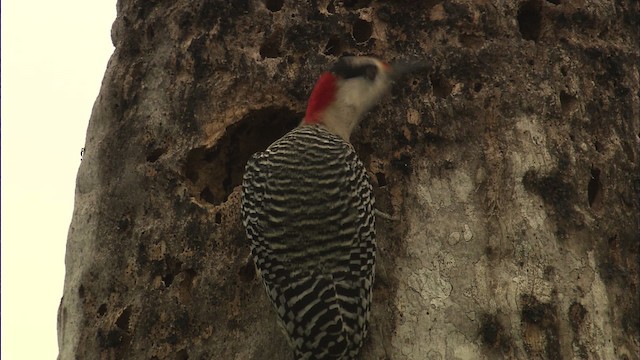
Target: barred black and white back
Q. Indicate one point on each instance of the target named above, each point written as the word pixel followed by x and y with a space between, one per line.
pixel 307 206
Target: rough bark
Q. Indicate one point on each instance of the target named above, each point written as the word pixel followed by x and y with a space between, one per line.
pixel 512 164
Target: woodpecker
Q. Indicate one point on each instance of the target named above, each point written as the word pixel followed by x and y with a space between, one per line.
pixel 308 211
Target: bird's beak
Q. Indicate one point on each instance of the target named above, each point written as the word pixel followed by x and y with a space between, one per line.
pixel 400 69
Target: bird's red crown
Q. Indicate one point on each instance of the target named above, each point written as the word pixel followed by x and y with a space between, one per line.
pixel 323 94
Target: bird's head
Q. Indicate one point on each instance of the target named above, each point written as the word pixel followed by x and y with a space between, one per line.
pixel 349 89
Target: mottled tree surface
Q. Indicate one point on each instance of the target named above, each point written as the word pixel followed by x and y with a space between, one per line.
pixel 512 164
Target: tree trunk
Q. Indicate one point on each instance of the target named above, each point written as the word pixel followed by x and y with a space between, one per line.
pixel 511 164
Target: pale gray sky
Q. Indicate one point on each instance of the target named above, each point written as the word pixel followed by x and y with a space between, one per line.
pixel 54 54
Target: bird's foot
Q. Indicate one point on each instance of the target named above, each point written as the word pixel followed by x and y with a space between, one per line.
pixel 385 216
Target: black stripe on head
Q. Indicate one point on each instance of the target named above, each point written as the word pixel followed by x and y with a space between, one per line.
pixel 347 69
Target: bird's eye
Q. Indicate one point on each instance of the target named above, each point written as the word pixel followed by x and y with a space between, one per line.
pixel 370 72
pixel 348 70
